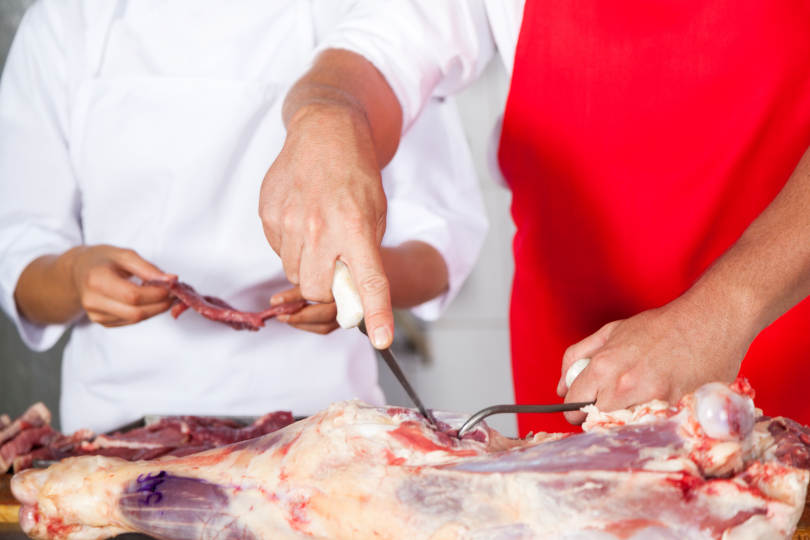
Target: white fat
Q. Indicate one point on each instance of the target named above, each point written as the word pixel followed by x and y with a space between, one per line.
pixel 673 464
pixel 370 431
pixel 754 528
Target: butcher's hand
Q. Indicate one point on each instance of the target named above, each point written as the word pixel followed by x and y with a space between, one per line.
pixel 101 276
pixel 703 335
pixel 94 280
pixel 662 353
pixel 322 200
pixel 317 318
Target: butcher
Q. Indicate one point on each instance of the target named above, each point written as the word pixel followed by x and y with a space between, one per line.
pixel 133 140
pixel 657 157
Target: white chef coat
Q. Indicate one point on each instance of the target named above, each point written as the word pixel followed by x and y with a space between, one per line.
pixel 150 125
pixel 426 48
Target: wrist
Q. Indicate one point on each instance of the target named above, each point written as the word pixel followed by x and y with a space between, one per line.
pixel 736 312
pixel 337 128
pixel 46 291
pixel 67 265
pixel 322 104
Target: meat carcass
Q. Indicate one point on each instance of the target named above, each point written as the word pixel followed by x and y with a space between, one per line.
pixel 217 309
pixel 707 468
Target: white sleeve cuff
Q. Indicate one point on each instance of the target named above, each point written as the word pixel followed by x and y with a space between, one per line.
pixel 15 260
pixel 412 89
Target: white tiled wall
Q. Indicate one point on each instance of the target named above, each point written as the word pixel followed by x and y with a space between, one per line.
pixel 470 368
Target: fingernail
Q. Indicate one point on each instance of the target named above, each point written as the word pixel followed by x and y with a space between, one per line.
pixel 274 300
pixel 283 318
pixel 382 337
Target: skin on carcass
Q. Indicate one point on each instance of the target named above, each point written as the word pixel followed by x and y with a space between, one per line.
pixel 357 472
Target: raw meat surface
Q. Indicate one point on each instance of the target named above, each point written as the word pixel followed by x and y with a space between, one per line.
pixel 36 416
pixel 59 447
pixel 30 430
pixel 174 435
pixel 354 471
pixel 24 442
pixel 217 309
pixel 181 435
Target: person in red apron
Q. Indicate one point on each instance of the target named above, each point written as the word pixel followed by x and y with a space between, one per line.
pixel 633 173
pixel 657 155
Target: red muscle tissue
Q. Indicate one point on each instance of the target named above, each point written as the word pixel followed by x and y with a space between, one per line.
pixel 219 310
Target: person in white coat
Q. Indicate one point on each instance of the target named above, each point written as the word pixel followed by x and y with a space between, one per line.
pixel 133 140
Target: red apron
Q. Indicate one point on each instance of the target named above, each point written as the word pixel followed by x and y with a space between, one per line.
pixel 641 137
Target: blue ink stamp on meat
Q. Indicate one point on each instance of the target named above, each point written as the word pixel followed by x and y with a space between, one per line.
pixel 149 485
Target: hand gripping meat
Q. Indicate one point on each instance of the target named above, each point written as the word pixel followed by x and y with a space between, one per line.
pixel 706 468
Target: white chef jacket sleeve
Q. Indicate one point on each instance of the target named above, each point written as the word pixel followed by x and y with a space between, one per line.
pixel 422 47
pixel 433 196
pixel 39 199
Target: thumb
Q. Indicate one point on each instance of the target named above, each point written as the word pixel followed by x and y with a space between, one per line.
pixel 583 349
pixel 133 263
pixel 584 388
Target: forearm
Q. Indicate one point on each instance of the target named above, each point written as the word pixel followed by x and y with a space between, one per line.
pixel 417 273
pixel 45 292
pixel 348 88
pixel 767 271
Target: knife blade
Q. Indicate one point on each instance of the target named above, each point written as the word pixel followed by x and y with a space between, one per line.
pixel 392 364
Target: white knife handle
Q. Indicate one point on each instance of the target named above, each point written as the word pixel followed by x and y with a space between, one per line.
pixel 574 370
pixel 347 299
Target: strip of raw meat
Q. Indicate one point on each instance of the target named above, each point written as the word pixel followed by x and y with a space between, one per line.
pixel 23 443
pixel 217 309
pixel 37 415
pixel 354 471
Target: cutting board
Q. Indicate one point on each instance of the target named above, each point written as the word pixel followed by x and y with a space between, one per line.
pixel 803 530
pixel 8 506
pixel 9 510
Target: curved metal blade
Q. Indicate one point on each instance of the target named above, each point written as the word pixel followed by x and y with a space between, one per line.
pixel 500 409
